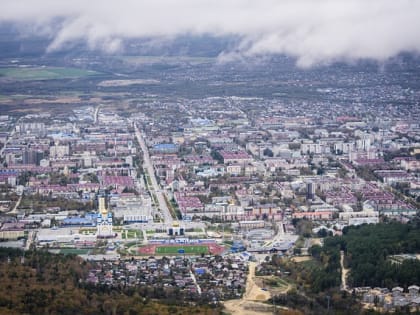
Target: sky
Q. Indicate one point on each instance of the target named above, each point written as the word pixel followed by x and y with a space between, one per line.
pixel 312 31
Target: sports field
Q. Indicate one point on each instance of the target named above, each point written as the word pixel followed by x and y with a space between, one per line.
pixel 193 249
pixel 188 249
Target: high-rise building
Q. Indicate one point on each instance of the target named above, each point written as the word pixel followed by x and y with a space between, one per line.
pixel 32 157
pixel 310 195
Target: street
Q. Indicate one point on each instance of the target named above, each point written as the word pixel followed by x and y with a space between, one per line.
pixel 148 167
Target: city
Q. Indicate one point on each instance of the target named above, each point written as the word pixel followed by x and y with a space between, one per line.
pixel 168 178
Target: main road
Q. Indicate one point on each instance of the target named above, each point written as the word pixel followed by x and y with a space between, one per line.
pixel 148 167
pixel 96 114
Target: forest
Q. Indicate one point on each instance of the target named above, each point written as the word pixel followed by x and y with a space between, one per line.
pixel 369 252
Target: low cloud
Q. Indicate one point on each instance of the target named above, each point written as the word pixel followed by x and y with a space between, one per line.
pixel 312 31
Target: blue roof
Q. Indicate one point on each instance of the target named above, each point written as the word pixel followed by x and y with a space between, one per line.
pixel 8 172
pixel 91 215
pixel 165 146
pixel 77 221
pixel 62 135
pixel 200 271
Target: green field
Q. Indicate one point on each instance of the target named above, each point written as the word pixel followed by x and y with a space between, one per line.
pixel 189 249
pixel 44 73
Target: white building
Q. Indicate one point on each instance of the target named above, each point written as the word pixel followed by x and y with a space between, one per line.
pixel 104 221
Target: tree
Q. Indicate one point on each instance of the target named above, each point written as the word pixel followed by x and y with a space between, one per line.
pixel 268 152
pixel 217 156
pixel 315 251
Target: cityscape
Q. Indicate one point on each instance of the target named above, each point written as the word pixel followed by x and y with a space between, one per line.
pixel 172 181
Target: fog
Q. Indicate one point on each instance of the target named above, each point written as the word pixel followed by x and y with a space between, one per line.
pixel 312 31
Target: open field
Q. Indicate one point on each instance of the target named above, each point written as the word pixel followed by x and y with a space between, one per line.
pixel 44 73
pixel 113 83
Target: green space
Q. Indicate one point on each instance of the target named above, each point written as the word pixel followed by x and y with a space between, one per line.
pixel 300 242
pixel 148 180
pixel 173 208
pixel 189 249
pixel 75 251
pixel 276 282
pixel 131 234
pixel 368 250
pixel 86 230
pixel 155 199
pixel 39 203
pixel 132 243
pixel 44 73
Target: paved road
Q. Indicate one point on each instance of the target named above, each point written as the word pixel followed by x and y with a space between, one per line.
pixel 195 282
pixel 95 115
pixel 152 225
pixel 147 165
pixel 12 133
pixel 14 210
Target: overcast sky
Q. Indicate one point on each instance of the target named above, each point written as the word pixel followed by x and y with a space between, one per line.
pixel 313 31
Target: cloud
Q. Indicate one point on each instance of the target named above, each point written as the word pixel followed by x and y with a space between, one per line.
pixel 313 31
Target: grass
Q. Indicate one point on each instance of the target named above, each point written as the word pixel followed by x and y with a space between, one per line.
pixel 155 199
pixel 310 264
pixel 44 73
pixel 189 249
pixel 300 242
pixel 173 208
pixel 281 282
pixel 85 230
pixel 130 244
pixel 148 180
pixel 276 282
pixel 131 234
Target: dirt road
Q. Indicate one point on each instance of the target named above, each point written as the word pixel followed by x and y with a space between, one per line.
pixel 251 302
pixel 344 273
